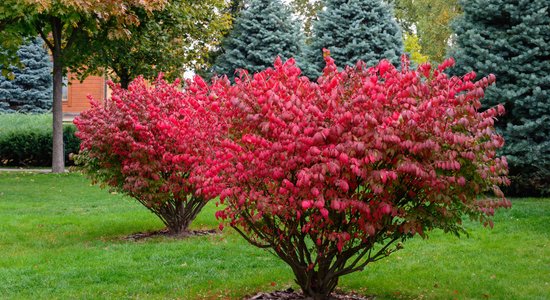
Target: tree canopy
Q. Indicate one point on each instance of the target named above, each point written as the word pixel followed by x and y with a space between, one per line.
pixel 430 21
pixel 307 11
pixel 65 25
pixel 176 38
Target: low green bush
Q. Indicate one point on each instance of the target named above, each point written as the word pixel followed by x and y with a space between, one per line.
pixel 26 140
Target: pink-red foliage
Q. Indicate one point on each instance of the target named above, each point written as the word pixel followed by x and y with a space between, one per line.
pixel 321 172
pixel 149 142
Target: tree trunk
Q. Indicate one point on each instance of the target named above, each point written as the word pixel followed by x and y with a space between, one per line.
pixel 58 156
pixel 124 78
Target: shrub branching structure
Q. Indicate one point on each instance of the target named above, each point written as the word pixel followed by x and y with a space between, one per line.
pixel 334 175
pixel 148 142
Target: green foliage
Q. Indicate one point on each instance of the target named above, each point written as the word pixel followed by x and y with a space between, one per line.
pixel 70 142
pixel 11 12
pixel 29 19
pixel 64 239
pixel 232 10
pixel 66 27
pixel 263 31
pixel 413 48
pixel 353 30
pixel 307 11
pixel 60 25
pixel 26 140
pixel 510 39
pixel 10 123
pixel 30 89
pixel 172 40
pixel 430 20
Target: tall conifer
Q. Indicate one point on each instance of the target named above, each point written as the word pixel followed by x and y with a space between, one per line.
pixel 511 39
pixel 264 30
pixel 353 30
pixel 30 90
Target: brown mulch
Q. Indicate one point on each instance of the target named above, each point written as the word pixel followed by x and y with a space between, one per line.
pixel 290 294
pixel 165 233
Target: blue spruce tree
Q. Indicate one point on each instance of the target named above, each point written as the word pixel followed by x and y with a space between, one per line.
pixel 511 39
pixel 353 30
pixel 263 31
pixel 30 90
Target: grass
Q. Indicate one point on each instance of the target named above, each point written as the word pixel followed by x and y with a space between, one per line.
pixel 62 238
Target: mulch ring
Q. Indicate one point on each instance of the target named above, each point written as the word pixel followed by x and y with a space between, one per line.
pixel 165 233
pixel 290 294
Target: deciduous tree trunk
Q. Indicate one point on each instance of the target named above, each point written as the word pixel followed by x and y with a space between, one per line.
pixel 58 157
pixel 124 78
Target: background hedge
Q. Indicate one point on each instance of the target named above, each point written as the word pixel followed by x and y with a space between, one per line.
pixel 26 140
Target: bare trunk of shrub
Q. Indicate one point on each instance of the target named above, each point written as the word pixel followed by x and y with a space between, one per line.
pixel 318 269
pixel 177 214
pixel 316 285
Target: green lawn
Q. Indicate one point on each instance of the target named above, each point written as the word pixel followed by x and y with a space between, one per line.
pixel 61 238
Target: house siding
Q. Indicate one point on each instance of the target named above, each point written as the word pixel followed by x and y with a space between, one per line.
pixel 78 92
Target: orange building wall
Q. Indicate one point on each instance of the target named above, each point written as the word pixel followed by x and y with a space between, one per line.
pixel 77 96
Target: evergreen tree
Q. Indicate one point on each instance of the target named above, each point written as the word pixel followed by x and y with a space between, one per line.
pixel 30 90
pixel 511 39
pixel 353 30
pixel 263 31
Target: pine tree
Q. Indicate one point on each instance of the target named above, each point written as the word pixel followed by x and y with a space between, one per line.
pixel 263 31
pixel 511 39
pixel 30 90
pixel 353 30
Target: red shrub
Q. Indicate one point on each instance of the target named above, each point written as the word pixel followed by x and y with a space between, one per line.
pixel 322 173
pixel 149 142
